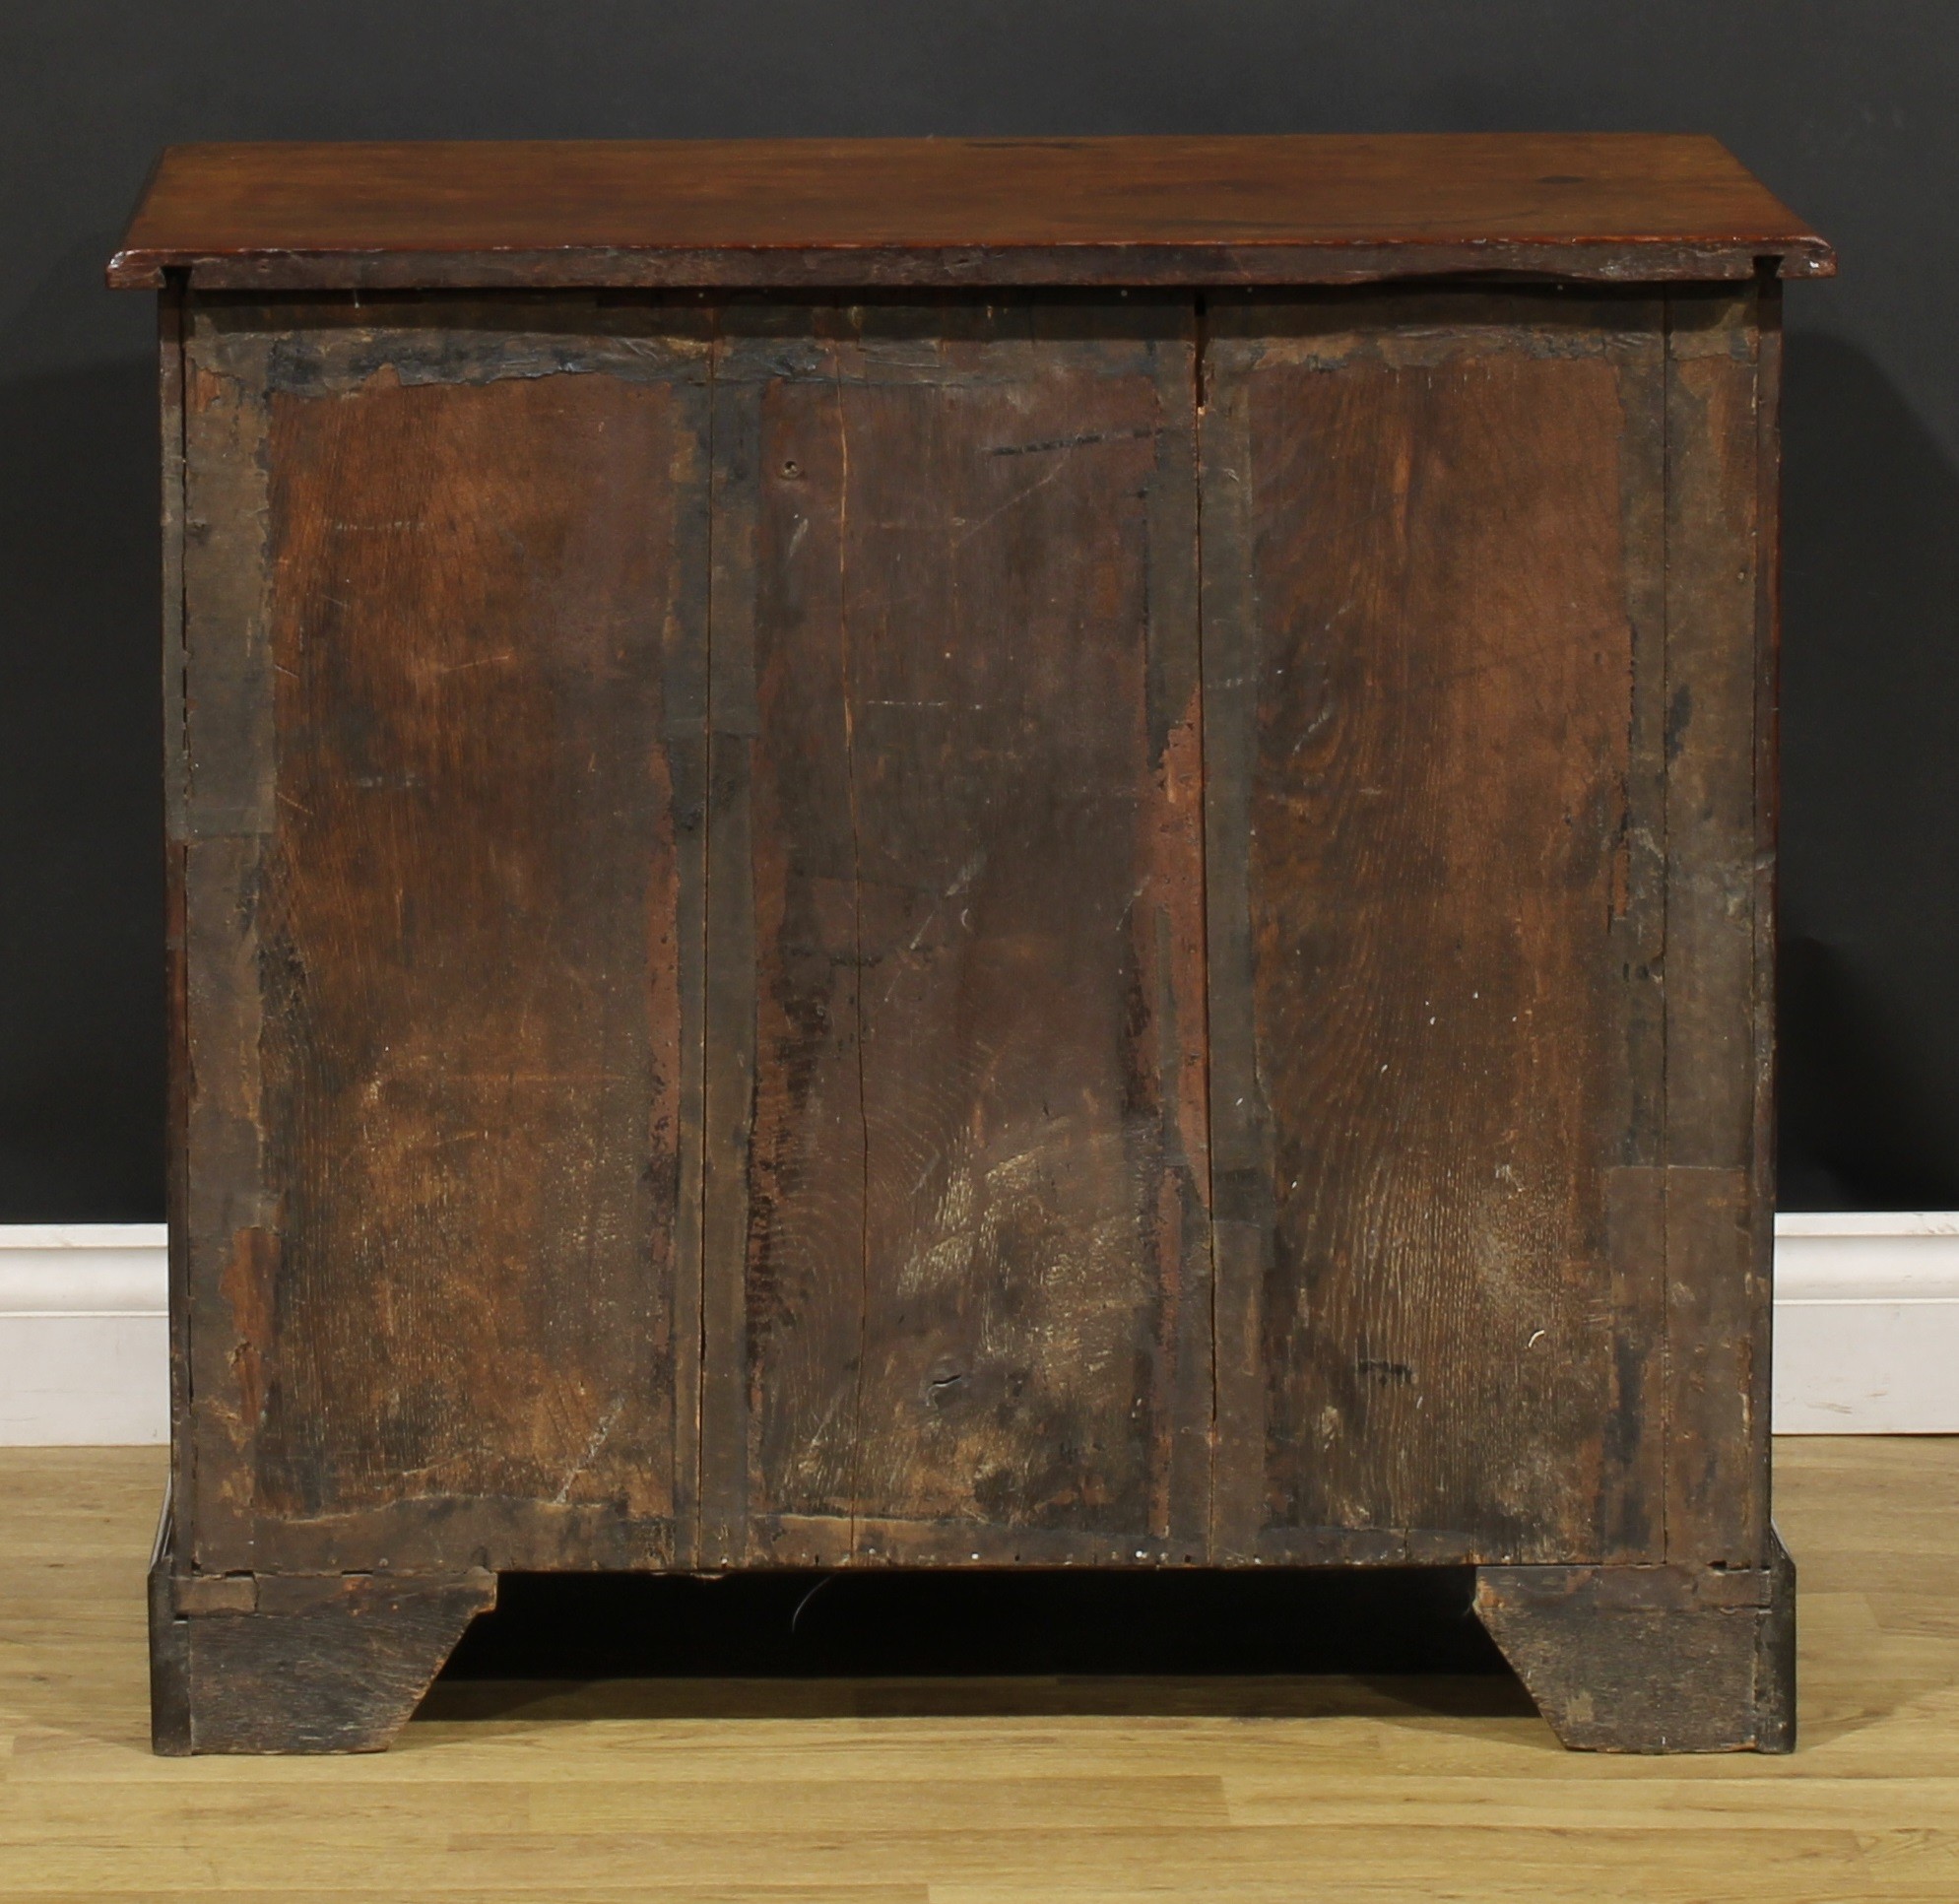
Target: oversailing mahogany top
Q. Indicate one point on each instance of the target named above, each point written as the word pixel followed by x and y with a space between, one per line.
pixel 1297 208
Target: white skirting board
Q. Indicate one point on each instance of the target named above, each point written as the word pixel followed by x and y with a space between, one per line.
pixel 84 1349
pixel 1866 1328
pixel 1867 1322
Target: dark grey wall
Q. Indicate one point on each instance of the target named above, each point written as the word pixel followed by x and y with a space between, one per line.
pixel 1846 110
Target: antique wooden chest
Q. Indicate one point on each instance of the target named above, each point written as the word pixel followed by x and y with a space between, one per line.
pixel 967 853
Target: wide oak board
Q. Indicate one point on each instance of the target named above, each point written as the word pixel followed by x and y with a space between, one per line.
pixel 956 1020
pixel 1433 562
pixel 444 587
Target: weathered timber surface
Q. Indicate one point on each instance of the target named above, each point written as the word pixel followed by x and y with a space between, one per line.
pixel 1758 1315
pixel 446 578
pixel 296 1663
pixel 176 1103
pixel 1432 562
pixel 1060 928
pixel 1719 1203
pixel 956 1089
pixel 1658 1659
pixel 1294 209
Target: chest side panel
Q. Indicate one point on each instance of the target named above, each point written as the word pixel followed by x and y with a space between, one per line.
pixel 957 808
pixel 446 735
pixel 1433 560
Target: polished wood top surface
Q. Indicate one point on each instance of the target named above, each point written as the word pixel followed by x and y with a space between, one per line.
pixel 1299 209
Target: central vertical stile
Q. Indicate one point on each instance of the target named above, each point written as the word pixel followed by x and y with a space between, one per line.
pixel 973 1313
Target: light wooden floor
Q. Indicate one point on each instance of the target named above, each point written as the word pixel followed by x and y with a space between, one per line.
pixel 1026 1791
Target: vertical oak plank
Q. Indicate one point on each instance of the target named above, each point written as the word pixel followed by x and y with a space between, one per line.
pixel 1768 821
pixel 1718 1217
pixel 977 1302
pixel 1431 572
pixel 170 393
pixel 687 701
pixel 446 617
pixel 1242 1170
pixel 1632 1478
pixel 227 756
pixel 731 997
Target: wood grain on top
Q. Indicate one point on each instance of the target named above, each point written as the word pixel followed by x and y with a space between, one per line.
pixel 1265 210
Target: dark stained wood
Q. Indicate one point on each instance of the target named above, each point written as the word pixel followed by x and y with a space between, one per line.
pixel 1654 1659
pixel 177 790
pixel 448 1051
pixel 1241 1171
pixel 727 1376
pixel 224 768
pixel 1774 1653
pixel 1632 1479
pixel 1439 569
pixel 977 1306
pixel 296 1663
pixel 1081 924
pixel 1273 210
pixel 169 1653
pixel 1768 816
pixel 1719 1209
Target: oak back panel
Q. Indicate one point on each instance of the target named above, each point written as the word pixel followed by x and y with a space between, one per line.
pixel 444 589
pixel 957 1093
pixel 1434 553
